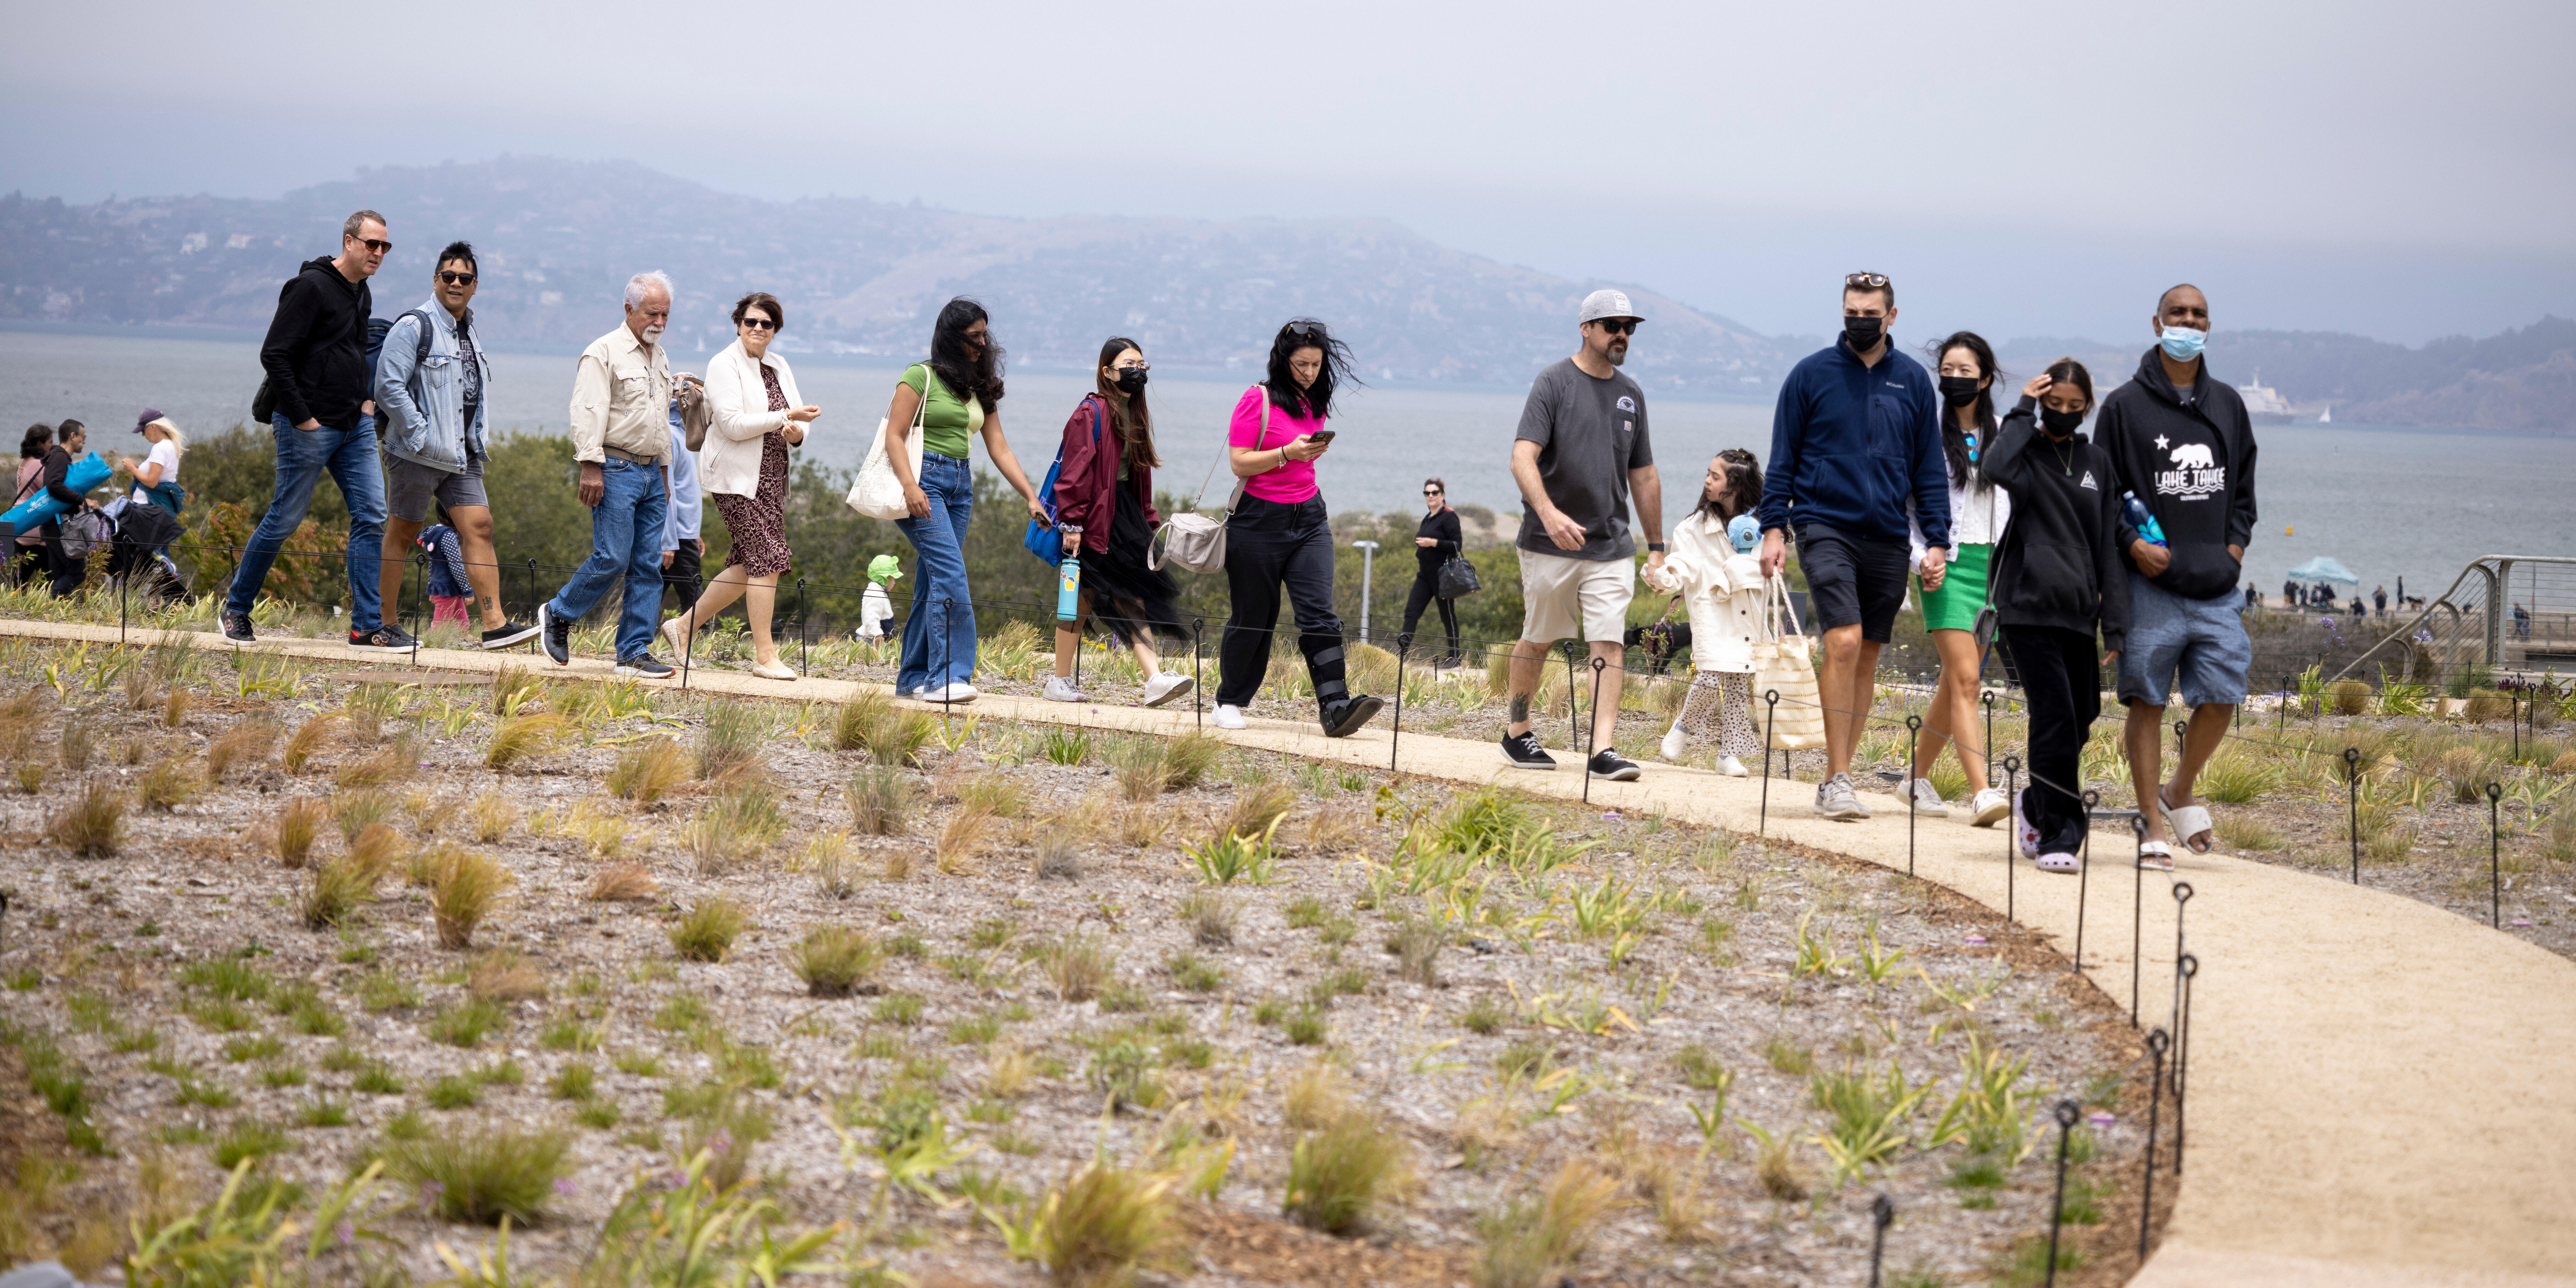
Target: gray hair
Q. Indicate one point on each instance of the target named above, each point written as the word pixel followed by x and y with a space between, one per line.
pixel 351 227
pixel 643 284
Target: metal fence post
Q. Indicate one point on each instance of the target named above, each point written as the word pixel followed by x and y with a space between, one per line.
pixel 1598 666
pixel 1198 682
pixel 2137 914
pixel 2067 1113
pixel 2084 875
pixel 2012 835
pixel 804 655
pixel 1882 1214
pixel 2352 804
pixel 2186 969
pixel 2156 1044
pixel 2495 861
pixel 1913 739
pixel 2182 900
pixel 1770 727
pixel 1403 644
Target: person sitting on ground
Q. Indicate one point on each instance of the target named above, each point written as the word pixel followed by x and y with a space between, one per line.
pixel 1723 589
pixel 1104 505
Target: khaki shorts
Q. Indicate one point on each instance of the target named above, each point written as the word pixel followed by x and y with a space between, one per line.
pixel 1566 598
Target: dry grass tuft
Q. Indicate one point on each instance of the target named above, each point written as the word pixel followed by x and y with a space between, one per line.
pixel 880 797
pixel 514 687
pixel 522 736
pixel 297 827
pixel 377 849
pixel 1077 965
pixel 623 882
pixel 1143 825
pixel 961 838
pixel 492 814
pixel 1102 1225
pixel 729 737
pixel 1316 1095
pixel 391 764
pixel 1532 1243
pixel 174 708
pixel 166 785
pixel 353 811
pixel 1342 1168
pixel 1257 806
pixel 1209 916
pixel 834 960
pixel 506 975
pixel 1334 829
pixel 308 739
pixel 464 884
pixel 649 770
pixel 1189 759
pixel 338 886
pixel 245 743
pixel 92 824
pixel 708 932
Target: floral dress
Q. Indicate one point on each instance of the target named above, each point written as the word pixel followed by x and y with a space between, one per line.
pixel 759 522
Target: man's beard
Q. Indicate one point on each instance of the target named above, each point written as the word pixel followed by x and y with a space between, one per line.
pixel 652 335
pixel 1618 355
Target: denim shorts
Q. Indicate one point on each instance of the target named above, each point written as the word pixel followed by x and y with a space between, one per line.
pixel 2201 642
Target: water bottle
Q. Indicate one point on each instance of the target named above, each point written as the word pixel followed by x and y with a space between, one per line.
pixel 1068 589
pixel 2145 523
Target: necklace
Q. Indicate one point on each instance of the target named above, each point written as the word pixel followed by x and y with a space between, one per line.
pixel 2065 457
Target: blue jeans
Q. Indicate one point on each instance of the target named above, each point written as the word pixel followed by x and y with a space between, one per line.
pixel 302 455
pixel 625 543
pixel 931 656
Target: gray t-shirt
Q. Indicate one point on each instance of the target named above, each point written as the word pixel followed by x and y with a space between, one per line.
pixel 1590 433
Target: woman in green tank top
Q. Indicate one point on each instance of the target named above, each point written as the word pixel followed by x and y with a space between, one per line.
pixel 956 395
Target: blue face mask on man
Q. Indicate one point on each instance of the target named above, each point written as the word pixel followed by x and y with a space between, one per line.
pixel 2183 344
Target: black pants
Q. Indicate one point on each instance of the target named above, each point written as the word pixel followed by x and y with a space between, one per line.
pixel 1269 546
pixel 1426 590
pixel 680 579
pixel 2061 677
pixel 65 572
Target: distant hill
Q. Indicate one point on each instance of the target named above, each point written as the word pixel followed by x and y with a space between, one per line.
pixel 2522 380
pixel 557 240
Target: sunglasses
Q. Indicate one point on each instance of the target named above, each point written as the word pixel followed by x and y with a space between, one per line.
pixel 1617 326
pixel 760 324
pixel 379 247
pixel 456 279
pixel 1431 491
pixel 1865 281
pixel 1307 330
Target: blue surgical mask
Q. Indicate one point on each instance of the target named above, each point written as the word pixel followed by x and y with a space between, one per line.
pixel 2183 344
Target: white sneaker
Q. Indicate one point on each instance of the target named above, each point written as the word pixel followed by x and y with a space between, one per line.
pixel 1674 744
pixel 1060 688
pixel 1991 806
pixel 1228 717
pixel 1731 767
pixel 953 691
pixel 1926 799
pixel 1836 800
pixel 1165 687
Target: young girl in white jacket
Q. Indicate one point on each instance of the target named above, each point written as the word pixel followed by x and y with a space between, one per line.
pixel 1722 585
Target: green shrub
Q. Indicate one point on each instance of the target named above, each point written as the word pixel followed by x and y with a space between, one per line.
pixel 482 1174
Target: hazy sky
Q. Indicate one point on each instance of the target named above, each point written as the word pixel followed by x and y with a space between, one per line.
pixel 2404 171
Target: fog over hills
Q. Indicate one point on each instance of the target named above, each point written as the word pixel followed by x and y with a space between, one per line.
pixel 557 240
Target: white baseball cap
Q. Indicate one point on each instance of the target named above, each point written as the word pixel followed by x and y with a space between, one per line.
pixel 1607 303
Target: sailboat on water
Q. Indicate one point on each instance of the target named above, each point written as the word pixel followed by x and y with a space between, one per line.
pixel 2326 417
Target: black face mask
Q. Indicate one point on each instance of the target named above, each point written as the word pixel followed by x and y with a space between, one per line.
pixel 1863 333
pixel 1132 379
pixel 2059 424
pixel 1959 391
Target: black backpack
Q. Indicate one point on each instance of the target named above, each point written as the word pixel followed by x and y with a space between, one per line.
pixel 263 404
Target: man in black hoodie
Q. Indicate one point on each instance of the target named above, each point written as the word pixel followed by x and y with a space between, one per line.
pixel 316 359
pixel 2182 446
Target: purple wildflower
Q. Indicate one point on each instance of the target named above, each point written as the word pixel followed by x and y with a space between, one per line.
pixel 565 1187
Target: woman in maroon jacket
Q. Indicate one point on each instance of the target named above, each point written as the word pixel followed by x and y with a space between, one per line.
pixel 1104 499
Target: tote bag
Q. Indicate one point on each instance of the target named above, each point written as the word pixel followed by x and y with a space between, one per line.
pixel 1193 540
pixel 876 492
pixel 1046 540
pixel 1786 663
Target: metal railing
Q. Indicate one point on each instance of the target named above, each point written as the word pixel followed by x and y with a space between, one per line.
pixel 2505 616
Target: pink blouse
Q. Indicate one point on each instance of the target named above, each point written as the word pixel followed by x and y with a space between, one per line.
pixel 1293 481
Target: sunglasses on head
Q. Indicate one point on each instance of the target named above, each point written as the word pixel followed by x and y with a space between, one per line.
pixel 455 279
pixel 1617 326
pixel 1865 281
pixel 757 323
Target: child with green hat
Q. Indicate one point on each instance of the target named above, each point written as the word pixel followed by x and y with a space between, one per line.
pixel 876 609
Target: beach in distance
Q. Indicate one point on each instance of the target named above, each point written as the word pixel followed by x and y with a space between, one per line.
pixel 2386 501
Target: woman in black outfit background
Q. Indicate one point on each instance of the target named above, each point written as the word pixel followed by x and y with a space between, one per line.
pixel 1433 543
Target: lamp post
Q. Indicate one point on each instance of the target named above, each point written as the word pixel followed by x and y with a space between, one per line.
pixel 1368 566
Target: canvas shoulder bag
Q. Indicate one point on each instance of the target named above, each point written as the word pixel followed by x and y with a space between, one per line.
pixel 876 492
pixel 1785 663
pixel 1192 540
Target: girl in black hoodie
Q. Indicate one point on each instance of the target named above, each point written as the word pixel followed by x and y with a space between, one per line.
pixel 2058 579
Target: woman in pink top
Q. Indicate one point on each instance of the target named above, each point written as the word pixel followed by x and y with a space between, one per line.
pixel 1280 535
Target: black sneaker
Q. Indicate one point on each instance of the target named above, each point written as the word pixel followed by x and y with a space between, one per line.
pixel 384 639
pixel 646 666
pixel 237 629
pixel 1522 749
pixel 507 634
pixel 1344 718
pixel 554 635
pixel 1613 766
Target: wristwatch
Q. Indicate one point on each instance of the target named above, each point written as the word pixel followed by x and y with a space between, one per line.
pixel 1654 547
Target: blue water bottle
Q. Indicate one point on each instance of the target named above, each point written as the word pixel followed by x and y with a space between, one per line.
pixel 1068 588
pixel 2140 519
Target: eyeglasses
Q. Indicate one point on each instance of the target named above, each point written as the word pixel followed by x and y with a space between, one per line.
pixel 456 279
pixel 1617 326
pixel 379 247
pixel 760 324
pixel 1865 281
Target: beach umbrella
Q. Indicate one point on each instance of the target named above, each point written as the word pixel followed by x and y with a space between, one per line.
pixel 2324 569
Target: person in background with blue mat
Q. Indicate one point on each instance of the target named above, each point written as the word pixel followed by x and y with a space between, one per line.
pixel 1104 501
pixel 71 440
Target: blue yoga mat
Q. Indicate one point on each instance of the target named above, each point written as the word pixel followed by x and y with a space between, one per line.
pixel 41 507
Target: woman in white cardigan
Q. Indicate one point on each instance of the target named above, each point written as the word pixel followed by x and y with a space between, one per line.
pixel 1722 585
pixel 755 417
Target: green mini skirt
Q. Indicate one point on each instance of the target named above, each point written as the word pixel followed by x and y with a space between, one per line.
pixel 1963 591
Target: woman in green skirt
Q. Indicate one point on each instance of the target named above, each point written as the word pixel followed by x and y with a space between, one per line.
pixel 1978 512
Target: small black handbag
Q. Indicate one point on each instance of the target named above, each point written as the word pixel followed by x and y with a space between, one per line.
pixel 1458 578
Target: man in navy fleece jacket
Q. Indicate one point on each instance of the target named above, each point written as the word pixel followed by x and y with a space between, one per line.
pixel 1855 451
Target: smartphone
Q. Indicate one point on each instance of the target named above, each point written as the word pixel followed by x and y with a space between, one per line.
pixel 1322 435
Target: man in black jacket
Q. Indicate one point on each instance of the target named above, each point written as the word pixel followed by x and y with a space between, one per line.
pixel 2183 446
pixel 316 359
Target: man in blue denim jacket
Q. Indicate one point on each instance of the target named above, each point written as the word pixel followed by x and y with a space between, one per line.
pixel 622 444
pixel 316 359
pixel 430 411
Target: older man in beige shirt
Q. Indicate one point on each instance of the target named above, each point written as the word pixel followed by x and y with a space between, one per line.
pixel 621 437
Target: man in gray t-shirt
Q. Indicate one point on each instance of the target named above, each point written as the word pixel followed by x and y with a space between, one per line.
pixel 1579 455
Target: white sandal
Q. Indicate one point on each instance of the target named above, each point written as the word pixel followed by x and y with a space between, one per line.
pixel 2155 856
pixel 2188 822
